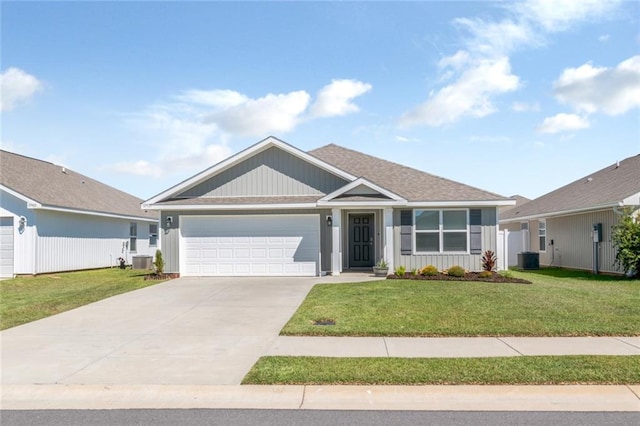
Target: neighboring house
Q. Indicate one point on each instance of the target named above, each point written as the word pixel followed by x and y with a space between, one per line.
pixel 560 225
pixel 53 219
pixel 273 209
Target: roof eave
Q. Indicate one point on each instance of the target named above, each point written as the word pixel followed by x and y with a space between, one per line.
pixel 94 213
pixel 567 212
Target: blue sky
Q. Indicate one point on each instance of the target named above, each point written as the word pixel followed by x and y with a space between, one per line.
pixel 515 98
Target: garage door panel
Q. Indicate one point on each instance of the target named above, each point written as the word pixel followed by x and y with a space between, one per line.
pixel 251 245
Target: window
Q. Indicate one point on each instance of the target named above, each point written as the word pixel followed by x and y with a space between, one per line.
pixel 441 231
pixel 133 233
pixel 153 235
pixel 524 226
pixel 542 235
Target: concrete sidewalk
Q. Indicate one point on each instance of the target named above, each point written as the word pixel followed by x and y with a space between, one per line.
pixel 451 347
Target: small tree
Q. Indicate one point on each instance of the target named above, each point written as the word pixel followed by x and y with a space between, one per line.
pixel 626 240
pixel 159 263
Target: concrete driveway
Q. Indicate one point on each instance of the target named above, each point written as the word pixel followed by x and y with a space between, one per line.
pixel 186 331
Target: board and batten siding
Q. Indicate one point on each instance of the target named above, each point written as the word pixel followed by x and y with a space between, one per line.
pixel 471 262
pixel 170 237
pixel 68 241
pixel 573 241
pixel 272 172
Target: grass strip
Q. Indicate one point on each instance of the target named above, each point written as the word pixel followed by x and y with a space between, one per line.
pixel 568 304
pixel 26 299
pixel 525 370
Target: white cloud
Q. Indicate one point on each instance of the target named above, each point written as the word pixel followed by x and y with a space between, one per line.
pixel 590 89
pixel 336 98
pixel 525 107
pixel 604 37
pixel 563 122
pixel 258 117
pixel 470 95
pixel 487 47
pixel 560 15
pixel 191 131
pixel 16 87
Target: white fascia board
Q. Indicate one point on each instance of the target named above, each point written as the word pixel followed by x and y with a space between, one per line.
pixel 101 214
pixel 488 203
pixel 31 203
pixel 632 200
pixel 240 156
pixel 186 207
pixel 362 204
pixel 560 213
pixel 362 181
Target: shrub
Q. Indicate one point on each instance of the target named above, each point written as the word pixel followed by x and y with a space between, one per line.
pixel 485 274
pixel 489 261
pixel 382 264
pixel 456 271
pixel 415 272
pixel 400 271
pixel 626 240
pixel 506 274
pixel 429 271
pixel 159 263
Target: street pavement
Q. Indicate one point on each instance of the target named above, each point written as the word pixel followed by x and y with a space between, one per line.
pixel 188 343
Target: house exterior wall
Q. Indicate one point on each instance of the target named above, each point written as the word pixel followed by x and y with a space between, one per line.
pixel 442 261
pixel 68 241
pixel 573 241
pixel 56 241
pixel 270 173
pixel 170 237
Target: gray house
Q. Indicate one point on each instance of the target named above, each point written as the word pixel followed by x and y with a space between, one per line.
pixel 53 219
pixel 571 226
pixel 273 209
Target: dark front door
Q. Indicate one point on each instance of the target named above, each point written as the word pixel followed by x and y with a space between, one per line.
pixel 361 241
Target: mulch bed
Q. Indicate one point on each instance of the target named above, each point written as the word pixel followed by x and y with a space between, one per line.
pixel 158 277
pixel 469 276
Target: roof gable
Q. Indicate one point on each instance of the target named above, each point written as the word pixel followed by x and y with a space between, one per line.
pixel 360 190
pixel 216 177
pixel 408 183
pixel 614 185
pixel 45 185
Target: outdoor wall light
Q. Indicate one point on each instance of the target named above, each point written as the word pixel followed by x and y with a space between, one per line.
pixel 329 221
pixel 22 224
pixel 169 221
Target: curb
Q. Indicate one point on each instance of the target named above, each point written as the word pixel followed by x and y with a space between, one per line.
pixel 312 397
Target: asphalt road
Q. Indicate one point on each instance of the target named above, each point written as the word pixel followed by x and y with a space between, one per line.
pixel 310 418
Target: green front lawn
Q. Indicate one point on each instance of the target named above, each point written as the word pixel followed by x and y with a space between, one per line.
pixel 558 303
pixel 529 370
pixel 26 299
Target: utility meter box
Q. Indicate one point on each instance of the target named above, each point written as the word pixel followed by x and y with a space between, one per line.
pixel 597 232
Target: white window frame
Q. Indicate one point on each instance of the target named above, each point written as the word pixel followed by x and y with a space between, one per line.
pixel 133 237
pixel 153 235
pixel 543 247
pixel 440 231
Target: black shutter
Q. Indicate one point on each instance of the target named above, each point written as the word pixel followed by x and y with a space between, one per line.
pixel 475 228
pixel 406 231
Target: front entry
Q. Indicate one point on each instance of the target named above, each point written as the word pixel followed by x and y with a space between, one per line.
pixel 361 249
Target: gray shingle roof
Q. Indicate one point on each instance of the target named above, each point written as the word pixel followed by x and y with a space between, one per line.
pixel 240 200
pixel 47 184
pixel 411 184
pixel 606 187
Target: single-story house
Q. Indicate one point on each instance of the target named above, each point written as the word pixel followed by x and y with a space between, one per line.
pixel 273 209
pixel 571 226
pixel 53 219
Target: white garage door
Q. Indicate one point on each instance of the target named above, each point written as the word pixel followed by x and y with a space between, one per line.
pixel 249 245
pixel 6 247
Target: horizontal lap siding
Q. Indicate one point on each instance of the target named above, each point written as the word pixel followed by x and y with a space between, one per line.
pixel 444 260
